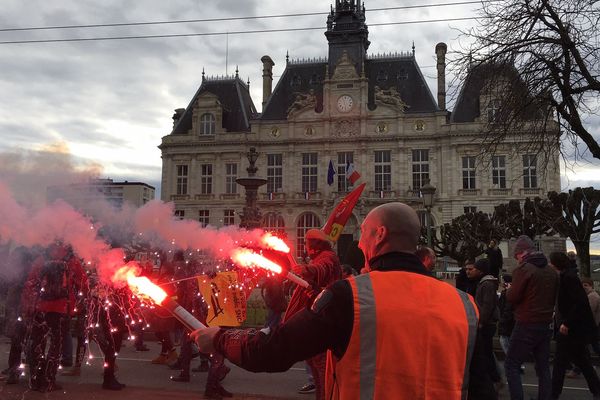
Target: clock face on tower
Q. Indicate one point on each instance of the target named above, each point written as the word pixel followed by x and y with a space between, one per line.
pixel 345 103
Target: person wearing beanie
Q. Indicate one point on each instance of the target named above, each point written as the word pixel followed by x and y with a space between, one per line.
pixel 532 294
pixel 484 363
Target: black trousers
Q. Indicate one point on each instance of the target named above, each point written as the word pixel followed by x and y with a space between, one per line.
pixel 572 349
pixel 109 336
pixel 486 334
pixel 17 343
pixel 47 328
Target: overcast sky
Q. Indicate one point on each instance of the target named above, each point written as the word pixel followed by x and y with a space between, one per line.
pixel 108 103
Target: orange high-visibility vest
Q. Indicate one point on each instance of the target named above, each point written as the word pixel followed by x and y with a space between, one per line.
pixel 412 338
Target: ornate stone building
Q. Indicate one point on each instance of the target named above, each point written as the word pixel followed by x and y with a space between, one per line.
pixel 373 112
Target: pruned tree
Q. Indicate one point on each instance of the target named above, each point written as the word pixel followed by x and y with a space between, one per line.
pixel 541 64
pixel 464 237
pixel 511 220
pixel 575 215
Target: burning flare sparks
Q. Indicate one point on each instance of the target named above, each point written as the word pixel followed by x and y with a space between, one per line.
pixel 248 258
pixel 140 285
pixel 275 243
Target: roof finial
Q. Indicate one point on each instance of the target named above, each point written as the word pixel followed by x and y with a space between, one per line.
pixel 248 83
pixel 413 48
pixel 287 57
pixel 236 71
pixel 202 74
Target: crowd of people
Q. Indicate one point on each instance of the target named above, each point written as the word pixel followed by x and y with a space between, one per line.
pixel 52 302
pixel 351 329
pixel 395 331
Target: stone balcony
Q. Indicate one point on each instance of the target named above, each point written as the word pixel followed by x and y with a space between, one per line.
pixel 530 191
pixel 500 192
pixel 469 192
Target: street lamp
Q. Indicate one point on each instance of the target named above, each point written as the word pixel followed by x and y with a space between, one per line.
pixel 428 191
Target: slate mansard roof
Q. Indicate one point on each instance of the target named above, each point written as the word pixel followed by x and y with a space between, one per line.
pixel 403 73
pixel 234 96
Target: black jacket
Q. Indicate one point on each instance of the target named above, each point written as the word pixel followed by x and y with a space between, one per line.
pixel 464 283
pixel 486 298
pixel 573 307
pixel 506 322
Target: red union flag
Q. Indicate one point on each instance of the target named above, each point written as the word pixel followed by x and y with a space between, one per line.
pixel 337 220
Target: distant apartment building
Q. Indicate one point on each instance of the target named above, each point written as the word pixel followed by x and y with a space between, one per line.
pixel 81 195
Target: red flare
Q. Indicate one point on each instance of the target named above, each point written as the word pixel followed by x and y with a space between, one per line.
pixel 140 285
pixel 275 243
pixel 248 258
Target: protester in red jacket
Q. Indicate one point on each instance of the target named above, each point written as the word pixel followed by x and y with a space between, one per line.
pixel 57 279
pixel 324 269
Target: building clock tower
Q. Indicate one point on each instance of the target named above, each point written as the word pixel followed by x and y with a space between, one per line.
pixel 347 33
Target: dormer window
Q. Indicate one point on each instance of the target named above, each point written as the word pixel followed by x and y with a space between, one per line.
pixel 382 76
pixel 402 75
pixel 492 110
pixel 207 124
pixel 296 81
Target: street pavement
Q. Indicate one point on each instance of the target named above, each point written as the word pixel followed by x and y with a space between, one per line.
pixel 146 381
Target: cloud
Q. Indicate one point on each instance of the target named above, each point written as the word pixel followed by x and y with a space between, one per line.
pixel 29 172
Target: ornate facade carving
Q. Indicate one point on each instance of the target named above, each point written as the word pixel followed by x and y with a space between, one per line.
pixel 346 128
pixel 344 70
pixel 390 97
pixel 303 101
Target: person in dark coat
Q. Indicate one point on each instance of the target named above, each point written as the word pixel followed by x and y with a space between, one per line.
pixel 533 295
pixel 273 293
pixel 462 280
pixel 484 371
pixel 506 315
pixel 575 328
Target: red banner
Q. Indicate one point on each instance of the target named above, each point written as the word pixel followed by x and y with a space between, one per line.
pixel 337 220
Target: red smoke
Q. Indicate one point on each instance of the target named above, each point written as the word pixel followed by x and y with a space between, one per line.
pixel 153 223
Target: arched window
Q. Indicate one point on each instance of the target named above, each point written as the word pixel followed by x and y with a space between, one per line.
pixel 306 221
pixel 207 124
pixel 274 223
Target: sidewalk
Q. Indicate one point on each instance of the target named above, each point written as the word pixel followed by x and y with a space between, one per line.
pixel 146 381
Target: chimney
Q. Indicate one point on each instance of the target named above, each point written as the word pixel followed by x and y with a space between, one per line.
pixel 267 78
pixel 440 51
pixel 178 113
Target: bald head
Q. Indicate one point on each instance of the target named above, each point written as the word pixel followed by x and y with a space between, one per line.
pixel 390 227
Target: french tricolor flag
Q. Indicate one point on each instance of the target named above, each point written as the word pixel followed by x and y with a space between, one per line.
pixel 271 196
pixel 306 195
pixel 381 194
pixel 351 174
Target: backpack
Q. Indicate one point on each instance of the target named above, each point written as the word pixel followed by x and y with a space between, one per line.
pixel 54 280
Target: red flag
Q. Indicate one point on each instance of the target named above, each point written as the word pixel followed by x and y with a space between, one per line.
pixel 337 220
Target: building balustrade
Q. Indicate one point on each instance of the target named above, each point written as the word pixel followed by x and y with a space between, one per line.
pixel 382 194
pixel 180 197
pixel 308 196
pixel 530 191
pixel 273 196
pixel 469 192
pixel 229 196
pixel 204 196
pixel 500 191
pixel 413 193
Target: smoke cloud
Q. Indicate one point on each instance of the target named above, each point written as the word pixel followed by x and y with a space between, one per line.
pixel 100 235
